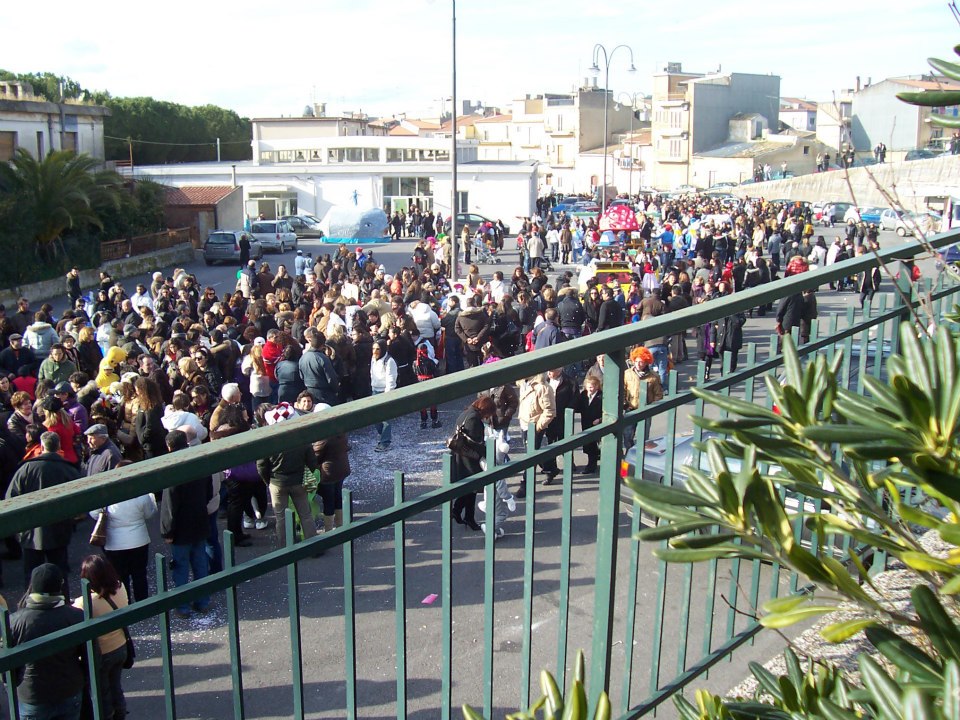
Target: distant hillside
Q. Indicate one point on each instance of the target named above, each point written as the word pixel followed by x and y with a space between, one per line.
pixel 162 132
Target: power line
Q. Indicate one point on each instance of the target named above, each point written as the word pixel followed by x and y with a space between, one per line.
pixel 154 142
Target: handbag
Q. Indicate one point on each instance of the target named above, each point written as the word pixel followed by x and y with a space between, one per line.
pixel 131 650
pixel 463 445
pixel 98 537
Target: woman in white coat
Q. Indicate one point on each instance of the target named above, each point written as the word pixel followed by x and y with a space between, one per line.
pixel 128 540
pixel 383 378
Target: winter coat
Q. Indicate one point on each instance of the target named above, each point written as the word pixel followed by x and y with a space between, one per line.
pixel 56 372
pixel 537 404
pixel 286 468
pixel 383 374
pixel 11 362
pixel 319 376
pixel 545 335
pixel 570 311
pixel 53 679
pixel 183 511
pixel 174 419
pixel 473 324
pixel 152 436
pixel 610 315
pixel 730 332
pixel 291 382
pixel 40 337
pixel 102 459
pixel 427 322
pixel 790 312
pixel 507 401
pixel 473 427
pixel 333 457
pixel 127 522
pixel 44 471
pixel 634 381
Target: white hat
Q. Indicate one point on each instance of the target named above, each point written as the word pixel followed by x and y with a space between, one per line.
pixel 259 341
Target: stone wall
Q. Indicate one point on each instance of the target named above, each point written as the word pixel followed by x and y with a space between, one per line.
pixel 119 269
pixel 911 182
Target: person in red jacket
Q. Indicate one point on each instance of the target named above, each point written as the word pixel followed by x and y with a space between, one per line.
pixel 272 354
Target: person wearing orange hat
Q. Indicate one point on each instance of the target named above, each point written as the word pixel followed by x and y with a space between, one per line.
pixel 638 375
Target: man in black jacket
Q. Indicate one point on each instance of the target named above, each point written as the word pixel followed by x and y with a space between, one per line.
pixel 16 356
pixel 45 544
pixel 611 313
pixel 51 687
pixel 184 525
pixel 571 313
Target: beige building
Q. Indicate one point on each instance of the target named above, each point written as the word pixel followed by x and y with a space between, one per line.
pixel 691 114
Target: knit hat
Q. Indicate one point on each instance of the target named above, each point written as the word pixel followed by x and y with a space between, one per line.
pixel 46 579
pixel 279 413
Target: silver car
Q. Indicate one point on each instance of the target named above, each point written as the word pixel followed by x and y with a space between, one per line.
pixel 224 245
pixel 275 235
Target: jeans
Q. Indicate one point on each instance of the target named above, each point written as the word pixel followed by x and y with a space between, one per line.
pixel 383 427
pixel 661 362
pixel 68 709
pixel 281 495
pixel 186 558
pixel 111 674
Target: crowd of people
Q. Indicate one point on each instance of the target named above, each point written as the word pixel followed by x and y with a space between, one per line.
pixel 120 378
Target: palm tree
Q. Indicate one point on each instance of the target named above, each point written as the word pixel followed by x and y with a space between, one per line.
pixel 64 191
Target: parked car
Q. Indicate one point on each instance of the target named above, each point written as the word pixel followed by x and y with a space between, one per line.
pixel 275 235
pixel 305 226
pixel 871 215
pixel 688 189
pixel 474 221
pixel 834 213
pixel 888 219
pixel 621 201
pixel 921 154
pixel 224 246
pixel 928 222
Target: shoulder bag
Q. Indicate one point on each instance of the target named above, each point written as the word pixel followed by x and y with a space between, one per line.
pixel 131 651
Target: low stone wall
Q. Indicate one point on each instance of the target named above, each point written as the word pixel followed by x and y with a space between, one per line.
pixel 119 269
pixel 911 182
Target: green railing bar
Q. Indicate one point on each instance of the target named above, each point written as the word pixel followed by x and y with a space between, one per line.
pixel 631 619
pixel 526 647
pixel 93 654
pixel 156 474
pixel 566 515
pixel 293 606
pixel 9 682
pixel 400 597
pixel 446 595
pixel 166 651
pixel 748 395
pixel 489 577
pixel 233 630
pixel 608 512
pixel 349 612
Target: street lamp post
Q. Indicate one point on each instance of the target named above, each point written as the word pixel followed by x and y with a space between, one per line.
pixel 599 51
pixel 453 151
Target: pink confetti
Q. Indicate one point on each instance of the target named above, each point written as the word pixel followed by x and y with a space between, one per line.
pixel 429 599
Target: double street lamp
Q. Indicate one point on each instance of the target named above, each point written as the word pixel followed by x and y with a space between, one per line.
pixel 599 51
pixel 633 111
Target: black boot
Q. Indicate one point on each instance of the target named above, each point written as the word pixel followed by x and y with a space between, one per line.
pixel 522 491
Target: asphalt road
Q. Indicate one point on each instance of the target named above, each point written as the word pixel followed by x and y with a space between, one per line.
pixel 203 665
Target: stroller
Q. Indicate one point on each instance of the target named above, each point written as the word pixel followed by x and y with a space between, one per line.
pixel 483 252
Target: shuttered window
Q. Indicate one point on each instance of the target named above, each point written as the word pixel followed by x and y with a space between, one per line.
pixel 8 143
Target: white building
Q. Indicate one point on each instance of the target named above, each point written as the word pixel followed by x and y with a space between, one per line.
pixel 312 174
pixel 41 127
pixel 798 114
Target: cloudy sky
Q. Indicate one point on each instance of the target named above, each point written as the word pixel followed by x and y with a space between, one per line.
pixel 385 57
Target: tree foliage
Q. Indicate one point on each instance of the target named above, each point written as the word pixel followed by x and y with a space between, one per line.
pixel 938 98
pixel 160 132
pixel 877 471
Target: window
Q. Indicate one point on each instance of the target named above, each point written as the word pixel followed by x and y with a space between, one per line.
pixel 335 155
pixel 8 143
pixel 674 148
pixel 371 154
pixel 70 141
pixel 394 155
pixel 443 156
pixel 391 186
pixel 354 154
pixel 461 202
pixel 408 186
pixel 268 156
pixel 40 149
pixel 285 156
pixel 674 118
pixel 559 123
pixel 806 149
pixel 409 155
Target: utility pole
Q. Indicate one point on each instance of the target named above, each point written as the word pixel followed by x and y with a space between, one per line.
pixel 453 154
pixel 218 149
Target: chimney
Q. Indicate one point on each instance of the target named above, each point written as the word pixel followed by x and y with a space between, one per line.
pixel 233 175
pixel 858 83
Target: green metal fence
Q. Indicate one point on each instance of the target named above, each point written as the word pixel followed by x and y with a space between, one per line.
pixel 648 629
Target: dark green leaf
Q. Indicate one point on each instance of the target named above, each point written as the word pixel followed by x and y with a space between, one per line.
pixel 883 691
pixel 917 705
pixel 670 530
pixel 904 655
pixel 939 626
pixel 832 711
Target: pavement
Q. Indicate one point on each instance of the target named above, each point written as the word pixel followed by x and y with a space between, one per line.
pixel 201 655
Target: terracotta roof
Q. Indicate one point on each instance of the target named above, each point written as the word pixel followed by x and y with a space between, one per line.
pixel 462 121
pixel 423 124
pixel 400 131
pixel 942 84
pixel 496 119
pixel 197 195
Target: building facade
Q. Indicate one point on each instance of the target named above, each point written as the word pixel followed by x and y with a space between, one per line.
pixel 691 114
pixel 41 127
pixel 878 116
